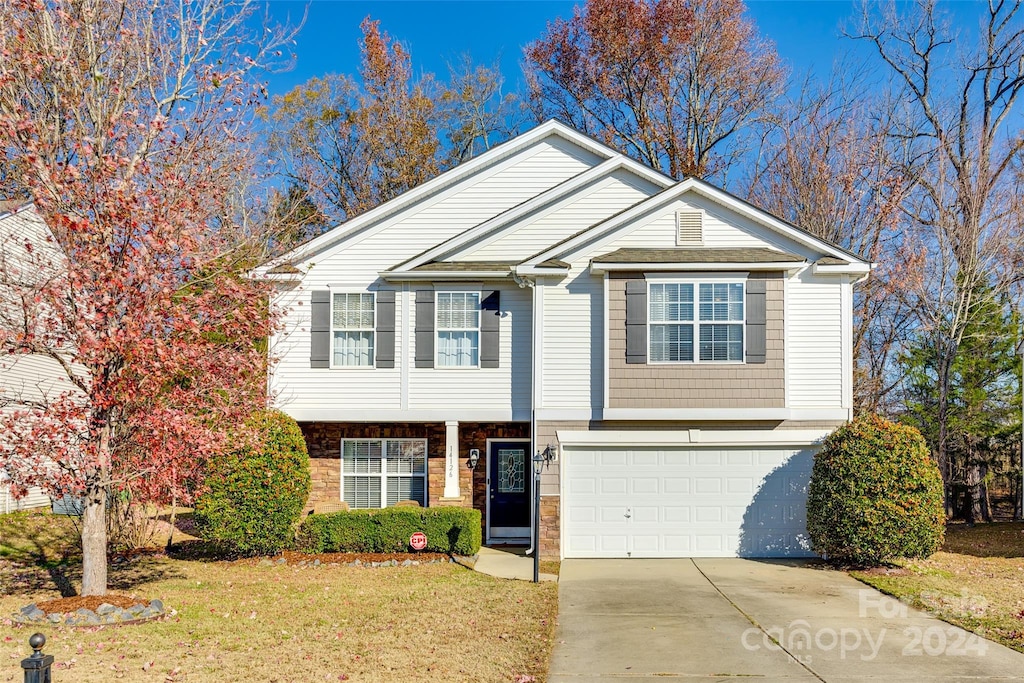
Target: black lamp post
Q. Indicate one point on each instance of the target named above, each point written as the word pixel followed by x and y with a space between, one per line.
pixel 539 460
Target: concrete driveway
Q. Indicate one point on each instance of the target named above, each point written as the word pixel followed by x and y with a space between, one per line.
pixel 717 620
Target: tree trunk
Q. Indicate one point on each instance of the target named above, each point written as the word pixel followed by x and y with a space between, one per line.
pixel 94 541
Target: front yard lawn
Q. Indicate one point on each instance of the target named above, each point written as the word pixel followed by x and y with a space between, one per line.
pixel 974 581
pixel 246 621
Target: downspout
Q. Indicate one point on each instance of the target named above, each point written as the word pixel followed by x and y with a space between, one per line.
pixel 524 282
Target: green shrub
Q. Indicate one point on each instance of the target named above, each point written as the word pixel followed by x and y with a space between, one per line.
pixel 450 530
pixel 875 495
pixel 255 493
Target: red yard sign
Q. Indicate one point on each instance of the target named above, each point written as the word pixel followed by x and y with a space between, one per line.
pixel 418 540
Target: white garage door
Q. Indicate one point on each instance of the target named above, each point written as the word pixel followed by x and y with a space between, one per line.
pixel 685 502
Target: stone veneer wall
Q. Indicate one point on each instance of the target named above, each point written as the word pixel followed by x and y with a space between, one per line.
pixel 323 439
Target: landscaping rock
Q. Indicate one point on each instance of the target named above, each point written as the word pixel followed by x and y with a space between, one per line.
pixel 135 610
pixel 282 560
pixel 148 612
pixel 407 563
pixel 266 563
pixel 157 605
pixel 316 563
pixel 32 613
pixel 55 618
pixel 105 608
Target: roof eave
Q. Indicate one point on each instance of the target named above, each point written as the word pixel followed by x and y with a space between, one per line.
pixel 847 269
pixel 419 276
pixel 601 268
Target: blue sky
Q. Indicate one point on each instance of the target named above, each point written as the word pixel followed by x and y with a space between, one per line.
pixel 806 32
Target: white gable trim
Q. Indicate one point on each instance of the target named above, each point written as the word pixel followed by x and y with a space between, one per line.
pixel 617 225
pixel 495 226
pixel 450 177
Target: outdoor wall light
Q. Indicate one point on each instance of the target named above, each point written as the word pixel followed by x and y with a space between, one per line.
pixel 474 457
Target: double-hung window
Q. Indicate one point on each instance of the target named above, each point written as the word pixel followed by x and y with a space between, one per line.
pixel 378 473
pixel 708 315
pixel 352 329
pixel 458 329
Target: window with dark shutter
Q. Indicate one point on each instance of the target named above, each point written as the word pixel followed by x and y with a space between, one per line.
pixel 425 328
pixel 386 329
pixel 490 330
pixel 320 330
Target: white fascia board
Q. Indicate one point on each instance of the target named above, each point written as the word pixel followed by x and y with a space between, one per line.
pixel 412 415
pixel 710 192
pixel 851 269
pixel 449 177
pixel 721 414
pixel 419 276
pixel 694 437
pixel 601 268
pixel 541 272
pixel 549 196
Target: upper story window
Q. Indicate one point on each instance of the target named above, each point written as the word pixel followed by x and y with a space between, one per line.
pixel 706 314
pixel 352 329
pixel 458 329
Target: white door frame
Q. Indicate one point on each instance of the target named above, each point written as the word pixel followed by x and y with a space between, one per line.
pixel 529 467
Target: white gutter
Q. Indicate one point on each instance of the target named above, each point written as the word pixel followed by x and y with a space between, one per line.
pixel 600 268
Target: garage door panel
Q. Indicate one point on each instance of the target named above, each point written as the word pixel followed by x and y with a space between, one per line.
pixel 714 502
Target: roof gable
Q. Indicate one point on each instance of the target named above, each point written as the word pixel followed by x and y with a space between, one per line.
pixel 605 233
pixel 465 175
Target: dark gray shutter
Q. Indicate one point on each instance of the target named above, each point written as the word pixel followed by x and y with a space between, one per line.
pixel 636 321
pixel 490 332
pixel 385 341
pixel 424 328
pixel 757 317
pixel 320 330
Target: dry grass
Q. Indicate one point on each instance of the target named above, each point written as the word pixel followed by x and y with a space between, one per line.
pixel 974 582
pixel 236 621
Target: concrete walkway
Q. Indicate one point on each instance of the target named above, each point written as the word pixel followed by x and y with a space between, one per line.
pixel 716 620
pixel 508 562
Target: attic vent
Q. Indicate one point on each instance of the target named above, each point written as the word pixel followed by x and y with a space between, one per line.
pixel 689 228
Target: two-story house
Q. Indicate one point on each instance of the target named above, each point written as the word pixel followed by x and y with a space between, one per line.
pixel 679 353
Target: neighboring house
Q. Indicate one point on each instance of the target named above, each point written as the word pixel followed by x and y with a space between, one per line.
pixel 24 379
pixel 679 352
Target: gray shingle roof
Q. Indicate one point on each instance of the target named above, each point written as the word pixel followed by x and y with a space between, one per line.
pixel 747 255
pixel 832 261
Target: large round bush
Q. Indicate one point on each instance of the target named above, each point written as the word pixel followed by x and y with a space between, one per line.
pixel 255 493
pixel 875 494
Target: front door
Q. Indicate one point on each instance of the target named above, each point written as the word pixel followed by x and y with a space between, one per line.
pixel 510 485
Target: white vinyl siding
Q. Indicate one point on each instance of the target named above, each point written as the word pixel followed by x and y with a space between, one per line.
pixel 814 348
pixel 458 329
pixel 573 342
pixel 560 220
pixel 378 473
pixel 352 329
pixel 36 498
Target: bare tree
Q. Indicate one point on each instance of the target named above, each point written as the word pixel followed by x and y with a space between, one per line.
pixel 959 94
pixel 672 83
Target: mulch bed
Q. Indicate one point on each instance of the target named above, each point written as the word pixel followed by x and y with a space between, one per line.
pixel 65 605
pixel 345 558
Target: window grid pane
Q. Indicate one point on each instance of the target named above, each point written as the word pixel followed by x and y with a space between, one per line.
pixel 380 472
pixel 716 303
pixel 458 325
pixel 671 343
pixel 352 319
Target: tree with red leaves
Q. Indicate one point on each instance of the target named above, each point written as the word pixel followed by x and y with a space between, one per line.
pixel 126 120
pixel 670 82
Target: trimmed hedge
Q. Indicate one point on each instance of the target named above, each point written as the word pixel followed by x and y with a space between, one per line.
pixel 255 493
pixel 451 530
pixel 875 495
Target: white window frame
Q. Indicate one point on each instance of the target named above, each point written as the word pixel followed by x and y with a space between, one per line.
pixel 719 278
pixel 438 330
pixel 384 475
pixel 372 330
